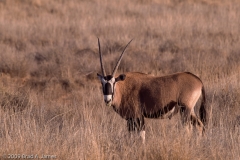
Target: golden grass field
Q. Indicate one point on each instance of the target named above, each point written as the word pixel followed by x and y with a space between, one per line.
pixel 51 100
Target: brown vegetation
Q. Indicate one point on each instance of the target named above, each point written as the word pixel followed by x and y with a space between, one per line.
pixel 51 101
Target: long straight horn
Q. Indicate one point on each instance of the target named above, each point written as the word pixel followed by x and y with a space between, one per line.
pixel 119 60
pixel 100 54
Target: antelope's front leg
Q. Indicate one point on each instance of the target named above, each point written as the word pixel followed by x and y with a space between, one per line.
pixel 137 124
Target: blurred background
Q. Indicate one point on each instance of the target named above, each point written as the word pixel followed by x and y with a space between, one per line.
pixel 50 97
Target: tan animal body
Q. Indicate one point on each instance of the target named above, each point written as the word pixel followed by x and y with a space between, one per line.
pixel 135 96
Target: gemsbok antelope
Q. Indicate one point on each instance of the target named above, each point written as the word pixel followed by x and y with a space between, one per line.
pixel 135 96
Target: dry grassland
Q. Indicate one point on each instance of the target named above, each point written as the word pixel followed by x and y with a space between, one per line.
pixel 51 100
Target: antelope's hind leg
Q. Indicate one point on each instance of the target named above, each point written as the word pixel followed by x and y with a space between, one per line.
pixel 197 124
pixel 185 118
pixel 190 119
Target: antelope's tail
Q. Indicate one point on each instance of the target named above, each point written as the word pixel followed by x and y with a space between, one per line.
pixel 202 110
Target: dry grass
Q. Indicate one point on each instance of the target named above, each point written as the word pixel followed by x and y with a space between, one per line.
pixel 51 99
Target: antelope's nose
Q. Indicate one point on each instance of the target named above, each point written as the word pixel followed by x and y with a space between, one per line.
pixel 107 98
pixel 108 101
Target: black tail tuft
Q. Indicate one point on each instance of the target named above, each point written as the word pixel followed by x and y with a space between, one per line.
pixel 202 110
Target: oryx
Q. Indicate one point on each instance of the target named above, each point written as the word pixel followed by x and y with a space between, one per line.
pixel 135 96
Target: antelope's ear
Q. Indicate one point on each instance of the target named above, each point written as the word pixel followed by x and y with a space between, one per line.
pixel 99 76
pixel 120 77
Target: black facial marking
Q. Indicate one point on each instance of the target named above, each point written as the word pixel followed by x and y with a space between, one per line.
pixel 108 77
pixel 107 89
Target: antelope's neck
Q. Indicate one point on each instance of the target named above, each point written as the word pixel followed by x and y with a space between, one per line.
pixel 117 97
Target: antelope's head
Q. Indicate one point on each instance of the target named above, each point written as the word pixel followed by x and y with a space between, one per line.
pixel 109 81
